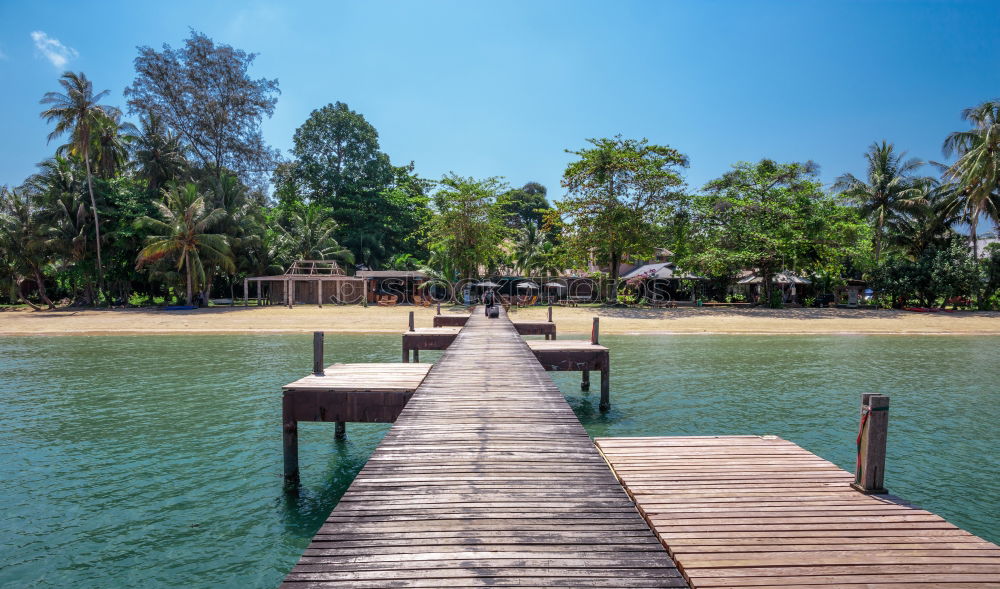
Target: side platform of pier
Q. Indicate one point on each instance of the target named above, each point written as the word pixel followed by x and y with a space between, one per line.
pixel 762 512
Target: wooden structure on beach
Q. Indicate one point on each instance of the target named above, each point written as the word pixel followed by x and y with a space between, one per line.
pixel 752 511
pixel 487 478
pixel 306 281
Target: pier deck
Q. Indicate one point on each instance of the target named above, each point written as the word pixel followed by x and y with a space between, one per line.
pixel 750 511
pixel 487 478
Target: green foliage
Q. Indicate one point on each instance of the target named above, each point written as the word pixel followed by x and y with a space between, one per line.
pixel 469 225
pixel 526 205
pixel 770 216
pixel 616 190
pixel 205 94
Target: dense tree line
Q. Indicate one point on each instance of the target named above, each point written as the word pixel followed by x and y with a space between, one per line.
pixel 187 198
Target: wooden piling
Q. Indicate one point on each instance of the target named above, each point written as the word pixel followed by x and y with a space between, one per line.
pixel 318 369
pixel 550 313
pixel 411 321
pixel 341 431
pixel 585 381
pixel 595 331
pixel 290 440
pixel 605 388
pixel 439 308
pixel 869 476
pixel 246 294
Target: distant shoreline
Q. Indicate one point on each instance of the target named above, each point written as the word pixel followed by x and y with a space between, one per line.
pixel 574 322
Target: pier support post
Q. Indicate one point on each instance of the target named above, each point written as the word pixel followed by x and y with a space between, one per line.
pixel 318 368
pixel 550 313
pixel 411 321
pixel 869 476
pixel 406 352
pixel 341 431
pixel 605 388
pixel 585 381
pixel 439 307
pixel 595 331
pixel 290 440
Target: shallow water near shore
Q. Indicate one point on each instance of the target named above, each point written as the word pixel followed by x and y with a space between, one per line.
pixel 155 461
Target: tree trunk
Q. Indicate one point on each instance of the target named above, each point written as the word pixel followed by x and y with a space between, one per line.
pixel 20 293
pixel 41 288
pixel 613 272
pixel 97 224
pixel 187 268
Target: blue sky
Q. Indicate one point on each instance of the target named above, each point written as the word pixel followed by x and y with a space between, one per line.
pixel 503 88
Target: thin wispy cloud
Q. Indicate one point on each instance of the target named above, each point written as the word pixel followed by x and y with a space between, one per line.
pixel 52 49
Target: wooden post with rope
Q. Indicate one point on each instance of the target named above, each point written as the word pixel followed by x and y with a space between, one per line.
pixel 869 477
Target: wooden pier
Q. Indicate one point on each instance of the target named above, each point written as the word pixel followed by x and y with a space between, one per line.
pixel 487 478
pixel 750 511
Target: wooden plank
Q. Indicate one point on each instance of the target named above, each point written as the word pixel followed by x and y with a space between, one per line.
pixel 486 478
pixel 748 511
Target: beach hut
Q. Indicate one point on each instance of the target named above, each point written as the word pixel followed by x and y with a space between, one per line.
pixel 662 282
pixel 789 284
pixel 402 284
pixel 306 282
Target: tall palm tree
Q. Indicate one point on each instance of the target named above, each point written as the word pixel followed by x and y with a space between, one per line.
pixel 78 113
pixel 159 153
pixel 928 224
pixel 888 190
pixel 310 236
pixel 977 169
pixel 182 234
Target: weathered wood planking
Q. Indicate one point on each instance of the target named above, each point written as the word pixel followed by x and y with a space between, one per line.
pixel 750 511
pixel 354 392
pixel 487 478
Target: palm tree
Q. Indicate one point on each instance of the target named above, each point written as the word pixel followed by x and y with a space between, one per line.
pixel 888 190
pixel 310 235
pixel 528 248
pixel 159 153
pixel 182 234
pixel 928 224
pixel 78 113
pixel 22 237
pixel 977 169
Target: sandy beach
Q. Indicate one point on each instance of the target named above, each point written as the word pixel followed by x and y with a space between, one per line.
pixel 356 319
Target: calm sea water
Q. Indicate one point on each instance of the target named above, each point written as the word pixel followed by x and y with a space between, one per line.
pixel 156 461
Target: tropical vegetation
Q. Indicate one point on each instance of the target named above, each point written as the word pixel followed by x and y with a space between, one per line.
pixel 179 198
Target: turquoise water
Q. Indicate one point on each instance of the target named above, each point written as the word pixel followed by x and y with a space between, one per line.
pixel 155 461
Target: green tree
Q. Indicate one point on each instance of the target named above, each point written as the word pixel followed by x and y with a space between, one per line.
pixel 770 216
pixel 526 205
pixel 204 92
pixel 977 169
pixel 616 190
pixel 23 238
pixel 888 190
pixel 182 235
pixel 469 225
pixel 309 235
pixel 77 113
pixel 338 164
pixel 159 153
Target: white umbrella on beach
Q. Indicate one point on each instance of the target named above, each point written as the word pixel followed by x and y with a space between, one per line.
pixel 554 285
pixel 487 284
pixel 528 284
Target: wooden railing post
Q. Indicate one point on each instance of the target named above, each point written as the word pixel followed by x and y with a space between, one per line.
pixel 595 332
pixel 439 308
pixel 550 313
pixel 318 368
pixel 411 321
pixel 869 475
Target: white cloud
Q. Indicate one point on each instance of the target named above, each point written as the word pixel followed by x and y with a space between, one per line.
pixel 52 49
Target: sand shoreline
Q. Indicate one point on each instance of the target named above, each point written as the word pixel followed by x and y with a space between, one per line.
pixel 355 319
